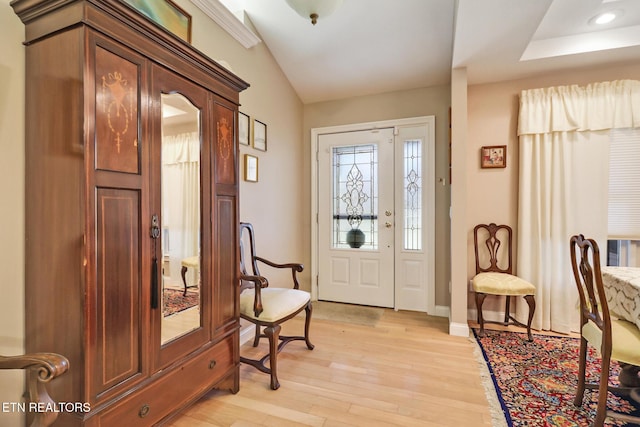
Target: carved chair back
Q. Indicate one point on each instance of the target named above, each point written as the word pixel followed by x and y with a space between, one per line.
pixel 248 261
pixel 497 251
pixel 585 262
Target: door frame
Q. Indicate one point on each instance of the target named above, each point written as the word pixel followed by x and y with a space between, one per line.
pixel 429 181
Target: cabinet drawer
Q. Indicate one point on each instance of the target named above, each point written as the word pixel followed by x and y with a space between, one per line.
pixel 173 389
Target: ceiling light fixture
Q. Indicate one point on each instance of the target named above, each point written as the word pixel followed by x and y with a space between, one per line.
pixel 606 17
pixel 313 9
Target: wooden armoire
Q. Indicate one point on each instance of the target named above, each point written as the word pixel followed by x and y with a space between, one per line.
pixel 103 84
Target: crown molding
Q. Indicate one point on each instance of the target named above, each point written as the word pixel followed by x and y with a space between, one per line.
pixel 228 21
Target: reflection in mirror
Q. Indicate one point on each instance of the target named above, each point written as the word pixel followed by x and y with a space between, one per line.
pixel 180 172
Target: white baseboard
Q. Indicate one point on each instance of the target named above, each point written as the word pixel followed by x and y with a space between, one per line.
pixel 247 333
pixel 458 329
pixel 494 316
pixel 442 311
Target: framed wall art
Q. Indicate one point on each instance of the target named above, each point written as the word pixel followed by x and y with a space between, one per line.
pixel 167 14
pixel 259 135
pixel 493 156
pixel 250 168
pixel 244 128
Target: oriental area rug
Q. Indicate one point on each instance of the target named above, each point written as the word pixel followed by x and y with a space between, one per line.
pixel 174 301
pixel 533 383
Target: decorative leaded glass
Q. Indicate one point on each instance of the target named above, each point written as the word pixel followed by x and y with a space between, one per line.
pixel 412 195
pixel 355 197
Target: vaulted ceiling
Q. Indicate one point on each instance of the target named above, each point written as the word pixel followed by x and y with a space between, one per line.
pixel 376 46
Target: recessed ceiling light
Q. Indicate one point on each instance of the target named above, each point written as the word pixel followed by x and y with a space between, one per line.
pixel 605 17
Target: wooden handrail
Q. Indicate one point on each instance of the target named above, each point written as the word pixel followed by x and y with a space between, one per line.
pixel 44 367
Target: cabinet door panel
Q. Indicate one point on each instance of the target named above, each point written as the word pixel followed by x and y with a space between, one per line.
pixel 118 287
pixel 225 306
pixel 117 105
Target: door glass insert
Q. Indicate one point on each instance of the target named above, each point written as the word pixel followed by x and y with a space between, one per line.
pixel 355 197
pixel 412 207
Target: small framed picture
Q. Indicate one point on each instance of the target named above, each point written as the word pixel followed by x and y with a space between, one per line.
pixel 259 135
pixel 493 156
pixel 243 128
pixel 250 168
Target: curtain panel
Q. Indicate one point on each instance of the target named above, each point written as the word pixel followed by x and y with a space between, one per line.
pixel 564 139
pixel 181 190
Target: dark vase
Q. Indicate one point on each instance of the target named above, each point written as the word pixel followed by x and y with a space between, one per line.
pixel 355 238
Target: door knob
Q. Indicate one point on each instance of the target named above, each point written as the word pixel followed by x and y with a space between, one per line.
pixel 387 213
pixel 387 224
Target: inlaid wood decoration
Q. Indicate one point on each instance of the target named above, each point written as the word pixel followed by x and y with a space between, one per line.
pixel 117 102
pixel 225 146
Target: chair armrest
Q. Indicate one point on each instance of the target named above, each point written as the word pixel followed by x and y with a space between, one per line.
pixel 44 367
pixel 295 268
pixel 49 365
pixel 259 282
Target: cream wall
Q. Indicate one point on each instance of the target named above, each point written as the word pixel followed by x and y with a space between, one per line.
pixel 459 118
pixel 12 210
pixel 492 194
pixel 386 106
pixel 275 203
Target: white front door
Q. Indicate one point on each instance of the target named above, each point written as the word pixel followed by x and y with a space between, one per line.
pixel 356 246
pixel 355 236
pixel 375 216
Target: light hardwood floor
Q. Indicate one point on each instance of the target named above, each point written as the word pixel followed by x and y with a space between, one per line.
pixel 405 370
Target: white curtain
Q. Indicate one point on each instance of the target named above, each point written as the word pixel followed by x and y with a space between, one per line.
pixel 181 200
pixel 564 137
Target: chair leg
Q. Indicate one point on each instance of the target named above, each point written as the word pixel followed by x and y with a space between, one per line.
pixel 307 322
pixel 582 366
pixel 531 301
pixel 256 338
pixel 507 309
pixel 601 412
pixel 479 301
pixel 183 273
pixel 273 332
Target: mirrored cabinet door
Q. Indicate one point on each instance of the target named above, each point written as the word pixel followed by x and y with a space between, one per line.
pixel 179 244
pixel 180 217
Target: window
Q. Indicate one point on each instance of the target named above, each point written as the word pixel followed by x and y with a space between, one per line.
pixel 412 197
pixel 355 197
pixel 623 247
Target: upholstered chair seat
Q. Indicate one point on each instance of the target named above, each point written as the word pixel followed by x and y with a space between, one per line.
pixel 624 334
pixel 502 284
pixel 278 303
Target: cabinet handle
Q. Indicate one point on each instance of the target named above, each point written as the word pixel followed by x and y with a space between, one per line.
pixel 144 411
pixel 212 364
